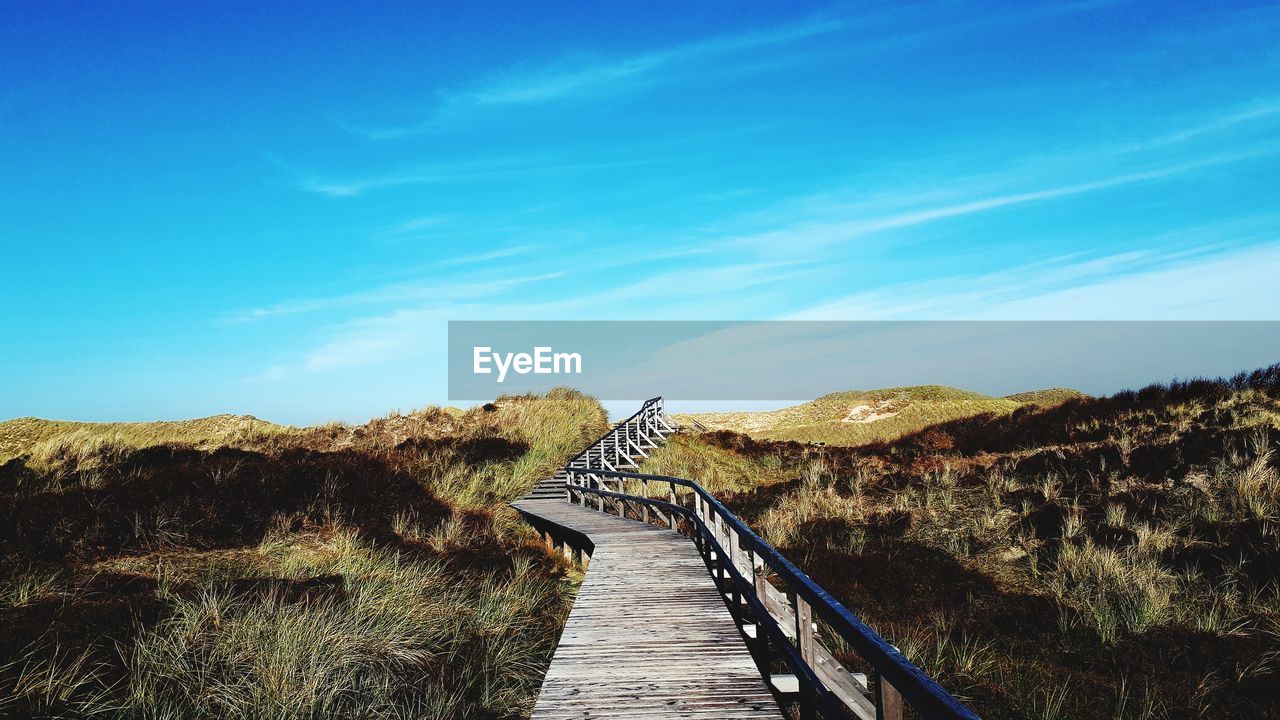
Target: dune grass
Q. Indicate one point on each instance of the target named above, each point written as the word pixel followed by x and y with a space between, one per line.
pixel 1047 397
pixel 335 571
pixel 51 441
pixel 398 636
pixel 858 417
pixel 717 471
pixel 1095 558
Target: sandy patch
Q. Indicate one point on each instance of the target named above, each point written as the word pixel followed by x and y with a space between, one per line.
pixel 864 414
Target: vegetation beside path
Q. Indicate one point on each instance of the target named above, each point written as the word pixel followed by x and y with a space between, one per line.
pixel 237 569
pixel 1094 558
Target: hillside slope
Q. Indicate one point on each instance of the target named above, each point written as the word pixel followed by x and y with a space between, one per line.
pixel 1047 397
pixel 1114 557
pixel 154 570
pixel 857 417
pixel 22 435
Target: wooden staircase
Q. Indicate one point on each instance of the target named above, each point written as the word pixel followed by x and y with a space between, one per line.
pixel 623 447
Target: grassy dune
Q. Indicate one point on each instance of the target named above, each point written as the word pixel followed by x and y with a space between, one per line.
pixel 334 571
pixel 1101 558
pixel 37 437
pixel 1047 397
pixel 41 440
pixel 858 417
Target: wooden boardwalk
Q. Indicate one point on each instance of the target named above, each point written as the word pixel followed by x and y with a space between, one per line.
pixel 649 635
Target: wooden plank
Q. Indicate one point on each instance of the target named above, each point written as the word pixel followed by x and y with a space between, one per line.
pixel 891 705
pixel 849 687
pixel 804 630
pixel 785 684
pixel 649 635
pixel 646 430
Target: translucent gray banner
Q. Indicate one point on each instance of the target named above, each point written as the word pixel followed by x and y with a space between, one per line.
pixel 800 360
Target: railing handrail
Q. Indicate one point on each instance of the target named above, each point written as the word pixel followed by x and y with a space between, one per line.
pixel 804 673
pixel 924 694
pixel 643 408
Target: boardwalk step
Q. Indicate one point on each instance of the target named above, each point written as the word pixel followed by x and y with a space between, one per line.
pixel 785 684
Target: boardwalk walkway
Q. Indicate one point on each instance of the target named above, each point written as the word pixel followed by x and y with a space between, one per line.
pixel 649 635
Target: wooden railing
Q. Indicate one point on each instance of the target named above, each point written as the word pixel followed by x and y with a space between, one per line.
pixel 635 436
pixel 784 615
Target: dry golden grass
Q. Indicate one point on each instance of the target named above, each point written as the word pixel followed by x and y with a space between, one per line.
pixel 1024 559
pixel 717 471
pixel 445 608
pixel 1047 397
pixel 406 638
pixel 858 417
pixel 28 435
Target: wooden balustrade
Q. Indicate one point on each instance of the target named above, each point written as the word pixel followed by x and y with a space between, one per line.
pixel 782 614
pixel 785 621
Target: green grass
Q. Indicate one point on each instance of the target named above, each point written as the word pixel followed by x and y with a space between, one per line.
pixel 719 472
pixel 858 417
pixel 1047 397
pixel 405 637
pixel 1114 592
pixel 57 440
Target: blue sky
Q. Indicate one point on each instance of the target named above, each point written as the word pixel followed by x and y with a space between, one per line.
pixel 274 208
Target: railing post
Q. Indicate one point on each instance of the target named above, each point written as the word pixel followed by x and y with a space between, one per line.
pixel 764 604
pixel 757 570
pixel 889 705
pixel 804 630
pixel 807 711
pixel 722 539
pixel 722 532
pixel 674 501
pixel 734 552
pixel 758 580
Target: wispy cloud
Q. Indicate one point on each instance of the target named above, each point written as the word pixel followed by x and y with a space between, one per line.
pixel 416 225
pixel 488 256
pixel 1221 284
pixel 359 342
pixel 420 291
pixel 482 169
pixel 586 76
pixel 1251 113
pixel 825 232
pixel 676 294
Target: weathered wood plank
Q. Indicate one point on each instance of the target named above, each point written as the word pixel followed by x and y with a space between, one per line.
pixel 649 635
